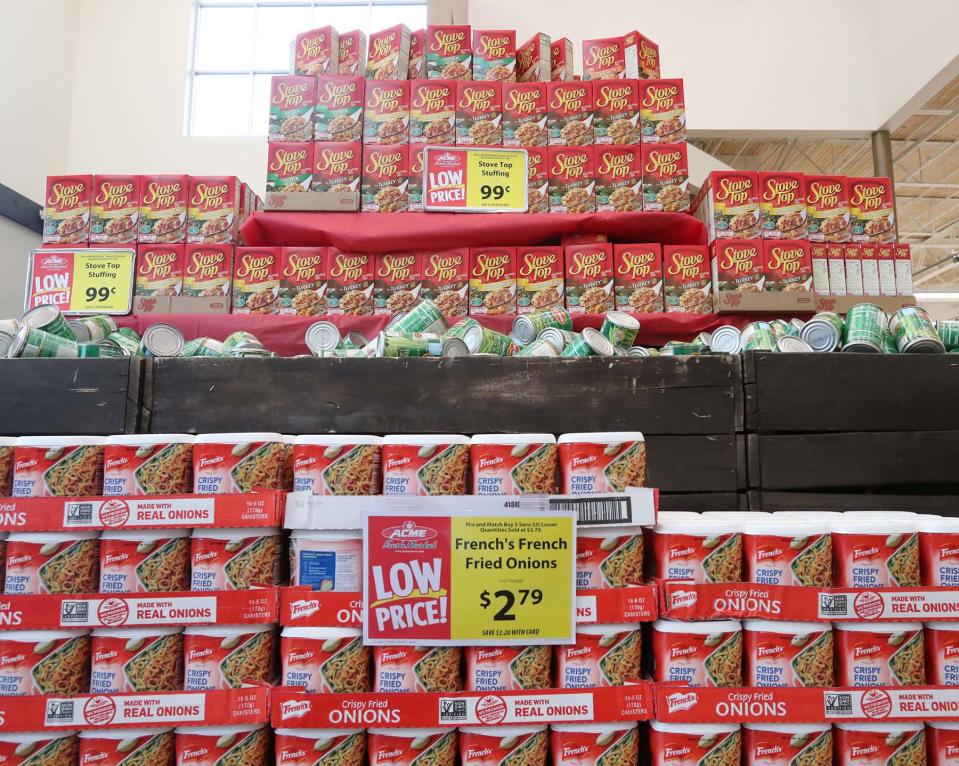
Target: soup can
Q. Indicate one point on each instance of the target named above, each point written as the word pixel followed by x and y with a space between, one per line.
pixel 527 327
pixel 620 328
pixel 423 317
pixel 49 318
pixel 914 332
pixel 865 323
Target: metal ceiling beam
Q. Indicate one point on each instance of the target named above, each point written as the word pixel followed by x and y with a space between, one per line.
pixel 926 185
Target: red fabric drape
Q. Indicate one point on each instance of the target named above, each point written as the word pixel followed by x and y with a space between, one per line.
pixel 386 232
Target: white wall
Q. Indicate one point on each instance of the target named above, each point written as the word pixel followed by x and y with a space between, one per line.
pixel 37 46
pixel 135 54
pixel 749 65
pixel 914 45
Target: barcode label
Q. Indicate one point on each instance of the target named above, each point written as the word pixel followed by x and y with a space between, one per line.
pixel 608 510
pixel 838 703
pixel 58 711
pixel 832 605
pixel 74 612
pixel 452 710
pixel 77 514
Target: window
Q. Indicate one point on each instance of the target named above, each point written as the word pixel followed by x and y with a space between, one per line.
pixel 239 44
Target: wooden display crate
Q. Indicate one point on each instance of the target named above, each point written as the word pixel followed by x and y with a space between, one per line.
pixel 856 422
pixel 94 397
pixel 689 408
pixel 831 393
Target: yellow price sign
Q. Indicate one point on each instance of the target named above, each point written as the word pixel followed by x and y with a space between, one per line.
pixel 102 282
pixel 461 179
pixel 513 578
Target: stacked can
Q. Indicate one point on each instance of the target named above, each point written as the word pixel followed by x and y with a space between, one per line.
pixel 725 340
pixel 948 330
pixel 527 327
pixel 914 332
pixel 865 323
pixel 824 331
pixel 620 328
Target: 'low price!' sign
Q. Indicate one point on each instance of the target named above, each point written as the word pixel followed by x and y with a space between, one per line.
pixel 81 281
pixel 468 579
pixel 465 180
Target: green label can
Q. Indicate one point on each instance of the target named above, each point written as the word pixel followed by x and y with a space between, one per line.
pixel 914 332
pixel 127 332
pixel 482 340
pixel 948 330
pixel 203 347
pixel 423 317
pixel 559 338
pixel 100 348
pixel 30 342
pixel 129 345
pixel 784 329
pixel 823 332
pixel 161 340
pixel 95 327
pixel 620 328
pixel 527 327
pixel 758 336
pixel 541 348
pixel 460 329
pixel 864 325
pixel 577 347
pixel 408 344
pixel 240 337
pixel 676 348
pixel 49 319
pixel 889 343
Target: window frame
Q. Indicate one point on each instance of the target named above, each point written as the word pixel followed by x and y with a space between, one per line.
pixel 251 73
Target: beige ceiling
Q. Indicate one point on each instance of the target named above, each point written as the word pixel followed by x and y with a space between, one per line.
pixel 926 163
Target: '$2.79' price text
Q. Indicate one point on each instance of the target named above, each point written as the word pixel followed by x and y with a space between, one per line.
pixel 507 600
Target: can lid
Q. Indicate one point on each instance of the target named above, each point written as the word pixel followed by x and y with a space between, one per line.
pixel 322 336
pixel 144 535
pixel 820 335
pixel 598 342
pixel 502 731
pixel 233 533
pixel 149 440
pixel 790 344
pixel 238 438
pixel 788 627
pixel 473 337
pixel 423 439
pixel 335 440
pixel 725 340
pixel 19 341
pixel 637 351
pixel 6 341
pixel 357 339
pixel 884 628
pixel 218 731
pixel 326 535
pixel 696 729
pixel 530 439
pixel 40 316
pixel 123 733
pixel 149 632
pixel 698 627
pixel 162 340
pixel 321 633
pixel 623 319
pixel 455 347
pixel 930 523
pixel 600 437
pixel 80 330
pixel 60 441
pixel 789 728
pixel 227 631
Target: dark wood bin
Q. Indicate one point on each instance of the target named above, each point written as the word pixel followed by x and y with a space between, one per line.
pixel 70 396
pixel 690 409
